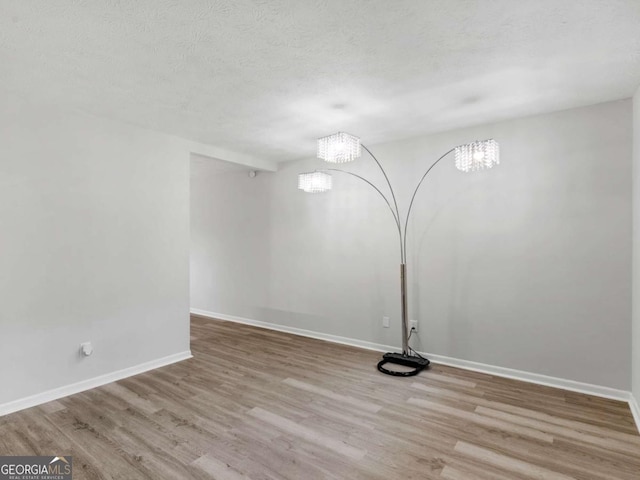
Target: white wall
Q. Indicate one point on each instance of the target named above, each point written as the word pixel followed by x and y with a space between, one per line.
pixel 527 266
pixel 94 245
pixel 635 362
pixel 230 243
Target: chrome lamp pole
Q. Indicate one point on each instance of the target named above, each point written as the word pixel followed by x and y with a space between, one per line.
pixel 341 148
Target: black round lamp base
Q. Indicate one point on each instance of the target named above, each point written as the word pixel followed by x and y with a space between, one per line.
pixel 417 363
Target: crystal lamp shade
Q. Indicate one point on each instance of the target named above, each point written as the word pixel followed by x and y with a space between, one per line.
pixel 314 182
pixel 339 148
pixel 478 155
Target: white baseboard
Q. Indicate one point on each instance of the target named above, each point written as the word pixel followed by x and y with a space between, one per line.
pixel 530 377
pixel 635 410
pixel 539 379
pixel 78 387
pixel 378 347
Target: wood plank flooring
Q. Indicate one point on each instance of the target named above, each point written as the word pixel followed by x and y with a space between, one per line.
pixel 258 404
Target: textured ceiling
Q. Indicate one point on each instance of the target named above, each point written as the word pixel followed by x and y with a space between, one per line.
pixel 265 78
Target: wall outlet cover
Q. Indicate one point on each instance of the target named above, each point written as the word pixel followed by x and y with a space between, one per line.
pixel 86 349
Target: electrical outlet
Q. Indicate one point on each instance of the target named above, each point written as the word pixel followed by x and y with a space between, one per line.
pixel 385 322
pixel 413 325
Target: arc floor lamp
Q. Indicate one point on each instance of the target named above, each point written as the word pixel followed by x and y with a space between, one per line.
pixel 341 148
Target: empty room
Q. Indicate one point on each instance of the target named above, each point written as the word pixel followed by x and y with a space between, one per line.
pixel 320 239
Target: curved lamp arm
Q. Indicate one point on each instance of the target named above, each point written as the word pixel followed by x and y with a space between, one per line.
pixel 393 195
pixel 396 213
pixel 406 222
pixel 395 216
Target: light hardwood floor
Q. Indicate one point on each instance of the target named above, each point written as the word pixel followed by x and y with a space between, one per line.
pixel 258 404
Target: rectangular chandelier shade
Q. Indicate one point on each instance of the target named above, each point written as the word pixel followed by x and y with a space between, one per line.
pixel 478 155
pixel 339 148
pixel 314 182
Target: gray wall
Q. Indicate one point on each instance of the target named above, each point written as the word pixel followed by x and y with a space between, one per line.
pixel 94 245
pixel 635 362
pixel 526 266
